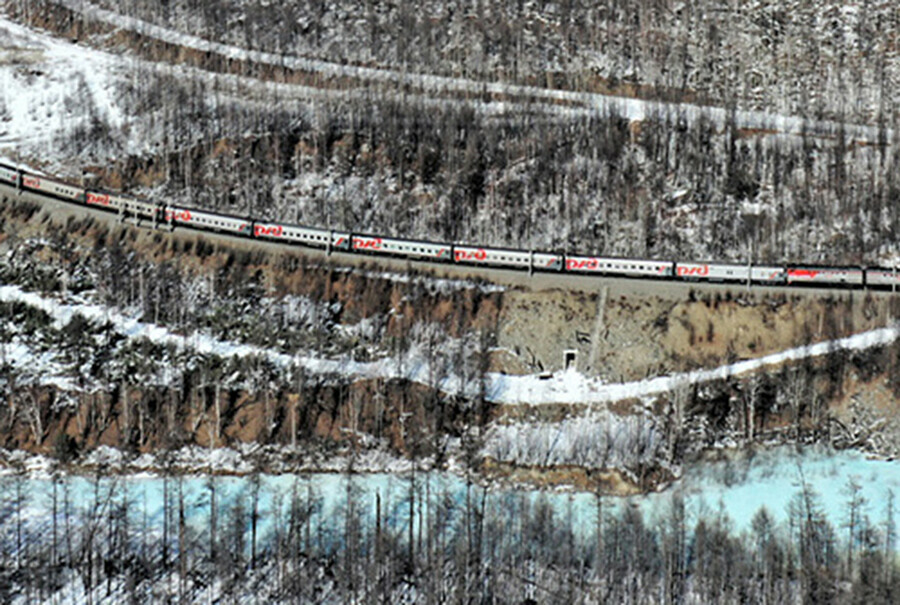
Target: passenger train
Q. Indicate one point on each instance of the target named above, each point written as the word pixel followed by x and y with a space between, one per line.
pixel 174 216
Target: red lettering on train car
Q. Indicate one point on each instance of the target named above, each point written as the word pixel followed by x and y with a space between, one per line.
pixel 586 264
pixel 178 215
pixel 100 199
pixel 700 271
pixel 803 273
pixel 476 255
pixel 31 181
pixel 367 243
pixel 272 230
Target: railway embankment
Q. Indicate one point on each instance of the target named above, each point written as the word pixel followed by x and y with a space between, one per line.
pixel 151 341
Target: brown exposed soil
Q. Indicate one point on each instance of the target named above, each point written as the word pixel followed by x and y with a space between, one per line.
pixel 405 416
pixel 610 482
pixel 629 338
pixel 615 336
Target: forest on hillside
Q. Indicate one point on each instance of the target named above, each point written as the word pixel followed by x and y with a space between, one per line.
pixel 797 57
pixel 526 172
pixel 175 354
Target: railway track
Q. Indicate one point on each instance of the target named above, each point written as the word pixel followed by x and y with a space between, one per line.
pixel 505 266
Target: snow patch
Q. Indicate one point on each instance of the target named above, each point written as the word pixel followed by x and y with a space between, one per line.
pixel 569 387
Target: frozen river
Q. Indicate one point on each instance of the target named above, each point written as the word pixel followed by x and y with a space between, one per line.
pixel 736 488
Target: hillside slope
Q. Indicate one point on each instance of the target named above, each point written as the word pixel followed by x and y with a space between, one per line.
pixel 157 343
pixel 549 168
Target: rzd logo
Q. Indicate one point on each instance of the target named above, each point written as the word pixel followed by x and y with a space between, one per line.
pixel 478 255
pixel 98 198
pixel 587 264
pixel 272 231
pixel 803 273
pixel 360 243
pixel 178 215
pixel 698 271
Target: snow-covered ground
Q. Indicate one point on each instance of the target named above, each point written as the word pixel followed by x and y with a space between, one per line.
pixel 568 387
pixel 573 387
pixel 632 109
pixel 51 89
pixel 595 440
pixel 48 87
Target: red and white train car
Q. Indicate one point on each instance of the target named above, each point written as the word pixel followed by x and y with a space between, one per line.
pixel 130 206
pixel 875 277
pixel 545 261
pixel 274 231
pixel 825 275
pixel 103 200
pixel 472 255
pixel 619 266
pixel 879 277
pixel 200 219
pixel 307 236
pixel 374 244
pixel 729 272
pixel 55 188
pixel 8 174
